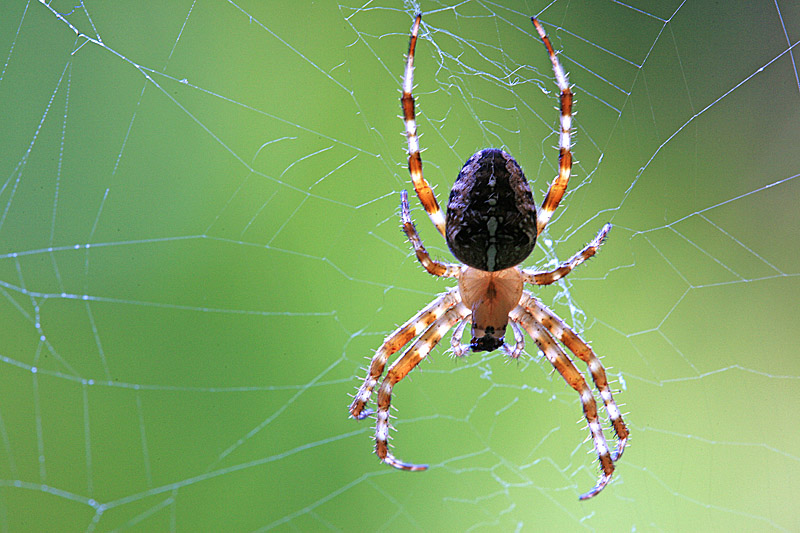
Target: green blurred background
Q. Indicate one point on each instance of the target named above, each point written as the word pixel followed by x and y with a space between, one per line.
pixel 199 246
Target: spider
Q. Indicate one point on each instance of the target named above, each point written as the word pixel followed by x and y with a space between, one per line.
pixel 491 226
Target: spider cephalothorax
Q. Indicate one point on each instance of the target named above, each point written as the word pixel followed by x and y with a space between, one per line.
pixel 491 227
pixel 489 296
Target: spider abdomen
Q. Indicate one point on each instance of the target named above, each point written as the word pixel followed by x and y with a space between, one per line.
pixel 491 217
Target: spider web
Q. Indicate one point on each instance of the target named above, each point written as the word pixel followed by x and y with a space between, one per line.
pixel 198 221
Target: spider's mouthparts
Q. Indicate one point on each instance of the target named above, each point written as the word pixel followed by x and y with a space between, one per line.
pixel 487 343
pixel 486 339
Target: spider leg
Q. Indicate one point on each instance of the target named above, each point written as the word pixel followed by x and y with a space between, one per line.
pixel 459 349
pixel 559 185
pixel 422 187
pixel 583 351
pixel 445 270
pixel 519 342
pixel 558 358
pixel 394 342
pixel 399 369
pixel 546 278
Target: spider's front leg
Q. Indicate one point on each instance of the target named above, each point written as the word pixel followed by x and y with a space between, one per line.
pixel 417 324
pixel 394 342
pixel 558 358
pixel 399 369
pixel 575 344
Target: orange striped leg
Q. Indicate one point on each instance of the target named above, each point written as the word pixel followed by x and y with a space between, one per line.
pixel 424 190
pixel 394 342
pixel 559 185
pixel 445 270
pixel 575 379
pixel 581 349
pixel 399 369
pixel 546 278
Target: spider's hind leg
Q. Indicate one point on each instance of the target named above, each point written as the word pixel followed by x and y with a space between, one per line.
pixel 421 186
pixel 559 185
